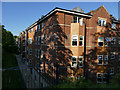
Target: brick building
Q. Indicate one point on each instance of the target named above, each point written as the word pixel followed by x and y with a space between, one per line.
pixel 74 44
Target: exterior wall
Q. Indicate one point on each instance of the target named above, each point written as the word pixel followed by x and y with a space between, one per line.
pixel 59 28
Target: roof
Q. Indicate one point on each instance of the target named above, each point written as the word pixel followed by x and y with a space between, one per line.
pixel 57 9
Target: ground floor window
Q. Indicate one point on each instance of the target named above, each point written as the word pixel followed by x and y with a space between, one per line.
pixel 74 61
pixel 99 77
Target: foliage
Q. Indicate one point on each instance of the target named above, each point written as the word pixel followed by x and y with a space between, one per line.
pixel 83 83
pixel 8 41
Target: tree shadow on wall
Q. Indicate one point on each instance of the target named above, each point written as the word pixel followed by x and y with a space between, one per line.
pixel 91 62
pixel 56 56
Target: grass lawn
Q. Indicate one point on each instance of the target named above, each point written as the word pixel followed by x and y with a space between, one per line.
pixel 10 78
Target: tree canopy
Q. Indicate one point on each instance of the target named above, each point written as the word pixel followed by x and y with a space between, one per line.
pixel 8 41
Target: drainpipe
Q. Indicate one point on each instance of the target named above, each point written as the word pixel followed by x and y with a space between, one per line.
pixel 85 67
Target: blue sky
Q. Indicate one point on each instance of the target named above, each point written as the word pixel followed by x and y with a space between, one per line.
pixel 17 16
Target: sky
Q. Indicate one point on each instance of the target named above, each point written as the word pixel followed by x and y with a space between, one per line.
pixel 17 16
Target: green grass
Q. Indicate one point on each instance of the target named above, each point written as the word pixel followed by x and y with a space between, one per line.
pixel 10 78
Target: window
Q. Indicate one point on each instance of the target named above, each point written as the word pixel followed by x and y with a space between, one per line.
pixel 41 53
pixel 106 41
pixel 111 70
pixel 74 40
pixel 80 61
pixel 38 40
pixel 113 40
pixel 112 55
pixel 42 25
pixel 102 22
pixel 38 53
pixel 39 27
pixel 119 70
pixel 31 29
pixel 30 40
pixel 35 52
pixel 100 41
pixel 81 39
pixel 74 61
pixel 105 59
pixel 30 61
pixel 78 20
pixel 118 40
pixel 118 56
pixel 100 59
pixel 99 77
pixel 30 51
pixel 105 77
pixel 113 26
pixel 42 39
pixel 36 29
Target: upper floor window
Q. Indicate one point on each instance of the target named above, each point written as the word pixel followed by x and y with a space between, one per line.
pixel 74 61
pixel 38 26
pixel 30 40
pixel 74 40
pixel 113 40
pixel 118 40
pixel 42 53
pixel 100 59
pixel 118 56
pixel 31 29
pixel 113 26
pixel 112 55
pixel 42 39
pixel 38 40
pixel 81 40
pixel 42 25
pixel 38 53
pixel 80 61
pixel 78 20
pixel 100 41
pixel 111 71
pixel 105 59
pixel 102 22
pixel 30 51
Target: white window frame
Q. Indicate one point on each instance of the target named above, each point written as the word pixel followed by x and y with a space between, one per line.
pixel 105 77
pixel 118 40
pixel 118 70
pixel 111 68
pixel 113 26
pixel 100 40
pixel 38 40
pixel 74 61
pixel 112 54
pixel 106 59
pixel 38 53
pixel 78 20
pixel 80 61
pixel 106 45
pixel 101 24
pixel 118 56
pixel 42 53
pixel 113 39
pixel 30 51
pixel 42 39
pixel 98 59
pixel 76 40
pixel 35 40
pixel 100 77
pixel 81 41
pixel 30 39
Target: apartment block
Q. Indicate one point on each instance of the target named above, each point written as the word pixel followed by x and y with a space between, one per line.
pixel 74 44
